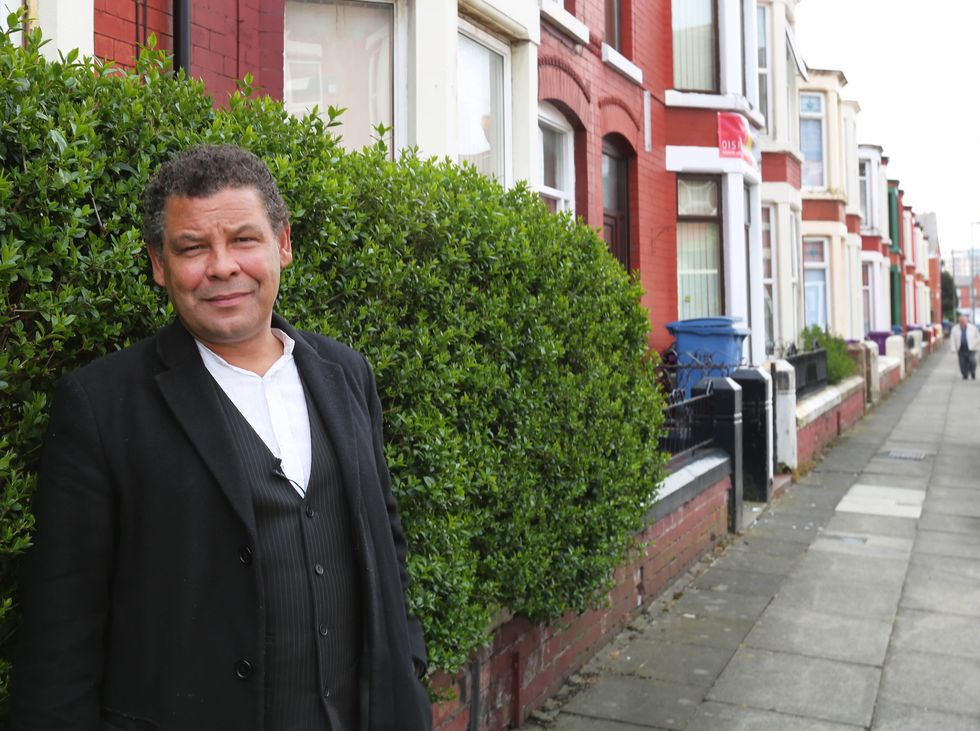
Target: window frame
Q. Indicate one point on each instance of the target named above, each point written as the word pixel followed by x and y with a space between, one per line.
pixel 764 33
pixel 868 295
pixel 716 32
pixel 503 49
pixel 551 117
pixel 718 220
pixel 822 266
pixel 864 192
pixel 399 68
pixel 768 218
pixel 821 117
pixel 624 245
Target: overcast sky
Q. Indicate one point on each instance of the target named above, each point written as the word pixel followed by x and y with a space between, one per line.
pixel 913 67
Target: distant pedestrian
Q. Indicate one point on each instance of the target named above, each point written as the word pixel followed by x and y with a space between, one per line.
pixel 965 339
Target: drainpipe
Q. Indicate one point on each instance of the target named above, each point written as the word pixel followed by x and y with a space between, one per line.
pixel 182 35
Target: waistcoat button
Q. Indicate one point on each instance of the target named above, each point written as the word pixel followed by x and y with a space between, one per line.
pixel 245 555
pixel 318 569
pixel 243 669
pixel 324 630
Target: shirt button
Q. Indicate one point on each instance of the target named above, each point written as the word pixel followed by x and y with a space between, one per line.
pixel 324 630
pixel 318 569
pixel 310 512
pixel 245 555
pixel 326 693
pixel 243 669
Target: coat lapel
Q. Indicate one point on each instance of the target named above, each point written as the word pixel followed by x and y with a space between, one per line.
pixel 330 392
pixel 190 392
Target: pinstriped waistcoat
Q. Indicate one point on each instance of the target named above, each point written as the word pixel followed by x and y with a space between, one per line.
pixel 309 577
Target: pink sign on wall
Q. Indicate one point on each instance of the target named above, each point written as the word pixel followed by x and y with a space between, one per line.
pixel 734 137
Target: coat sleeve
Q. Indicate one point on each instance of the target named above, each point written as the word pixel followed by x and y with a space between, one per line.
pixel 57 672
pixel 415 636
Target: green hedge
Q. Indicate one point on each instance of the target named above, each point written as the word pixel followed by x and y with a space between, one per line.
pixel 510 349
pixel 840 365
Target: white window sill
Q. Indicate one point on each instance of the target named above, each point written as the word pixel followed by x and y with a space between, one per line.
pixel 721 102
pixel 565 21
pixel 614 59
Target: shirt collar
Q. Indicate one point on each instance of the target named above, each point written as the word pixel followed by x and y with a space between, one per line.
pixel 214 361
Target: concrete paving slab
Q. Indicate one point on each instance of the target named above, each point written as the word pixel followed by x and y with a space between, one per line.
pixel 770 546
pixel 932 680
pixel 851 567
pixel 707 631
pixel 725 717
pixel 955 568
pixel 911 482
pixel 639 701
pixel 752 583
pixel 876 525
pixel 810 497
pixel 933 519
pixel 756 561
pixel 775 681
pixel 953 501
pixel 674 662
pixel 721 604
pixel 815 634
pixel 931 631
pixel 829 479
pixel 947 544
pixel 894 502
pixel 863 544
pixel 884 466
pixel 801 531
pixel 891 716
pixel 940 591
pixel 832 595
pixel 568 722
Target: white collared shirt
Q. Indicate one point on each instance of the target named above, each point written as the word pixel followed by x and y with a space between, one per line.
pixel 274 406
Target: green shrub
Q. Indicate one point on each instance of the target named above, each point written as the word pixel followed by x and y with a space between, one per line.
pixel 840 365
pixel 511 352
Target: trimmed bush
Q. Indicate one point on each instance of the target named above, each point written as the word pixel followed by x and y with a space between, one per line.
pixel 840 365
pixel 510 349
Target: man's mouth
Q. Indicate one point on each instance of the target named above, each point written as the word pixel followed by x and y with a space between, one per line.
pixel 226 300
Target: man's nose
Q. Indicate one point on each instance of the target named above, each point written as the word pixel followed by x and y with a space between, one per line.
pixel 222 263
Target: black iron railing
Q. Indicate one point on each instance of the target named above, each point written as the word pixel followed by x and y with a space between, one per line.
pixel 687 425
pixel 811 370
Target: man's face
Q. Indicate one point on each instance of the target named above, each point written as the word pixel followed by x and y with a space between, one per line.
pixel 963 320
pixel 220 264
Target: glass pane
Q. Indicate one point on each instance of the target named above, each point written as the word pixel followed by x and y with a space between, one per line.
pixel 770 319
pixel 552 168
pixel 480 107
pixel 697 197
pixel 762 36
pixel 695 45
pixel 614 183
pixel 340 54
pixel 698 270
pixel 766 243
pixel 811 143
pixel 613 35
pixel 811 104
pixel 813 252
pixel 550 203
pixel 815 297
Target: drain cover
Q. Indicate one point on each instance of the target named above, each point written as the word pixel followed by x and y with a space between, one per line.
pixel 906 454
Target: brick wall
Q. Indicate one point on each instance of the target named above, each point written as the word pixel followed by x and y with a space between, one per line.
pixel 813 437
pixel 599 101
pixel 527 663
pixel 229 38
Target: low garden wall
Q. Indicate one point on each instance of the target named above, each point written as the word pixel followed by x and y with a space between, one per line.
pixel 822 416
pixel 889 374
pixel 527 663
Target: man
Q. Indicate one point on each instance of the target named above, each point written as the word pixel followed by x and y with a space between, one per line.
pixel 964 339
pixel 217 544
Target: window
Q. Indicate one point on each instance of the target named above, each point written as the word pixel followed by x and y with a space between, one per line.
pixel 863 187
pixel 768 275
pixel 483 103
pixel 699 263
pixel 867 294
pixel 340 53
pixel 794 265
pixel 556 162
pixel 615 200
pixel 764 62
pixel 791 72
pixel 695 33
pixel 614 24
pixel 811 139
pixel 815 282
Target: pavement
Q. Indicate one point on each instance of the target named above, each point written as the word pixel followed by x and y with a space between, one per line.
pixel 853 601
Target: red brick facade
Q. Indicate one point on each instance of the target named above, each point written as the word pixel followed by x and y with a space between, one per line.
pixel 526 663
pixel 781 167
pixel 820 209
pixel 599 102
pixel 812 438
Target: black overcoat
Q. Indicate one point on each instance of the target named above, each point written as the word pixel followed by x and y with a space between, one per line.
pixel 141 608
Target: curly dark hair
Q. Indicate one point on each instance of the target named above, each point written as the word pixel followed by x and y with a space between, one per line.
pixel 202 171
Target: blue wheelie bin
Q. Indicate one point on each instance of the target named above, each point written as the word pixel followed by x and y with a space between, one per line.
pixel 706 347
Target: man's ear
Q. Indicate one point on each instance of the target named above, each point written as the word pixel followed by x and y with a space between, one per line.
pixel 156 261
pixel 285 247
